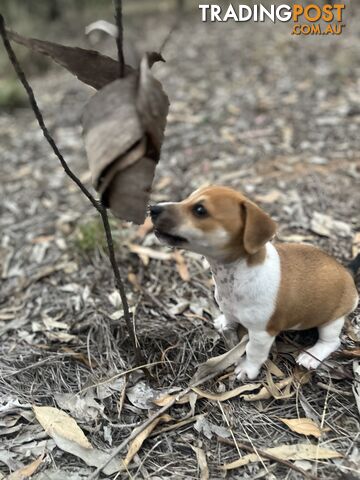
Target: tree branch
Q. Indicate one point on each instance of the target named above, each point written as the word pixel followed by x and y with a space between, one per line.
pixel 96 203
pixel 119 37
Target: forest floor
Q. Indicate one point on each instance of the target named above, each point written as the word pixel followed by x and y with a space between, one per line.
pixel 252 107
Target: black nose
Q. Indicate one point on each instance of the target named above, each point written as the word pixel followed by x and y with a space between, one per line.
pixel 155 211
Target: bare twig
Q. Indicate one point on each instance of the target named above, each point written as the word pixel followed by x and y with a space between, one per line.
pixel 269 456
pixel 96 203
pixel 119 37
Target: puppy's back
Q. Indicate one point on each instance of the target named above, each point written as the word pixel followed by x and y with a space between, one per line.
pixel 315 289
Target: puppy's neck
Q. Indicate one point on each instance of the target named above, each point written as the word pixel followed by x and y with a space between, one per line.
pixel 232 261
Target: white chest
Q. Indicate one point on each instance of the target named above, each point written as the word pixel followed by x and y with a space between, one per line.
pixel 247 294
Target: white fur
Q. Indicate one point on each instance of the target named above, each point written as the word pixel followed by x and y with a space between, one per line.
pixel 247 295
pixel 328 342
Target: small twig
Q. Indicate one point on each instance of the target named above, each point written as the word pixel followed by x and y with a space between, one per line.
pixel 119 37
pixel 98 205
pixel 144 425
pixel 269 456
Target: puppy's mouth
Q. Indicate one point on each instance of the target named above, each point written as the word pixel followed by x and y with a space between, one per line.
pixel 172 240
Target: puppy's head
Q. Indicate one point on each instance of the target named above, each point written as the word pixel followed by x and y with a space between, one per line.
pixel 217 222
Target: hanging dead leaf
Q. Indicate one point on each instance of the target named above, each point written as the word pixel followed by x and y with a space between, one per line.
pixel 139 439
pixel 304 426
pixel 56 421
pixel 123 128
pixel 301 451
pixel 26 472
pixel 89 66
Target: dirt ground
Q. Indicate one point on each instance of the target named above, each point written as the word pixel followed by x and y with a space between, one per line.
pixel 252 107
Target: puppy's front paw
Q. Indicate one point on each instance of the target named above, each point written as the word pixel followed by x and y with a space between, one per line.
pixel 245 369
pixel 221 324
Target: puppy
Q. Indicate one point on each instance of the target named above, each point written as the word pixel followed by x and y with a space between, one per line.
pixel 265 287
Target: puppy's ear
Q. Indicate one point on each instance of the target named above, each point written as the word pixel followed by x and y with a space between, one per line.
pixel 259 228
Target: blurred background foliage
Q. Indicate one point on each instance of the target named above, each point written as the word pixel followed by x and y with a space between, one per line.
pixel 63 21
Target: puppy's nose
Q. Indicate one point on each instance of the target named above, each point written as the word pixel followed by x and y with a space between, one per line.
pixel 155 211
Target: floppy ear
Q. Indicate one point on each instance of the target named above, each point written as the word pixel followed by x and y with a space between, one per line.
pixel 259 228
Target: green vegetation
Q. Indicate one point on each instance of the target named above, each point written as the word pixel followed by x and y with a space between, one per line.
pixel 89 236
pixel 12 94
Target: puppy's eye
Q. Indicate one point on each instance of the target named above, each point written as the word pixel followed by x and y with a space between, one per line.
pixel 199 210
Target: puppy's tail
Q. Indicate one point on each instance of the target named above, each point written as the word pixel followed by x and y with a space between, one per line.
pixel 354 265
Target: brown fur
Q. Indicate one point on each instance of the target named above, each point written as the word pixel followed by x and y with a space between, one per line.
pixel 315 289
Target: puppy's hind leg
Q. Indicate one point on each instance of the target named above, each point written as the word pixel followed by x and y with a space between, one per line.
pixel 328 342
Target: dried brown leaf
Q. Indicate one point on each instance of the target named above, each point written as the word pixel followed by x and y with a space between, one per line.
pixel 265 393
pixel 304 426
pixel 222 397
pixel 26 471
pixel 356 244
pixel 222 362
pixel 301 451
pixel 89 66
pixel 139 439
pixel 181 266
pixel 56 421
pixel 145 253
pixel 202 462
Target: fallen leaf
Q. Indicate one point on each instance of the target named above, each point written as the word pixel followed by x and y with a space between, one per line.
pixel 139 439
pixel 202 462
pixel 221 362
pixel 27 471
pixel 81 408
pixel 274 369
pixel 222 397
pixel 167 398
pixel 181 266
pixel 356 245
pixel 270 197
pixel 145 228
pixel 301 451
pixel 202 425
pixel 265 393
pixel 304 426
pixel 91 456
pixel 57 422
pixel 356 384
pixel 294 237
pixel 326 226
pixel 145 253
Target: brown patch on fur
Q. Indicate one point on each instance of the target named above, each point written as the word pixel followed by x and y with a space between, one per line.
pixel 314 290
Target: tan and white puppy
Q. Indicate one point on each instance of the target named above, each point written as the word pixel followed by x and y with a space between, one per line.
pixel 266 288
